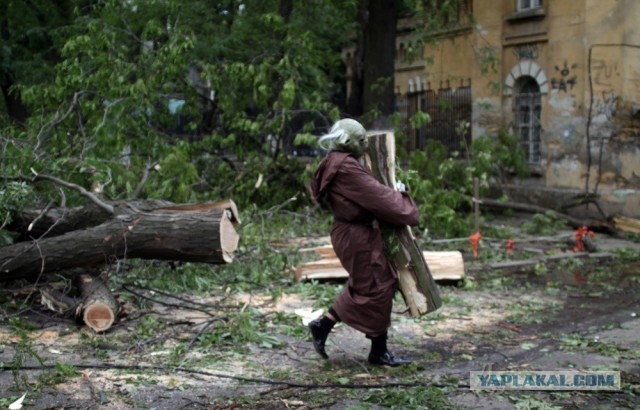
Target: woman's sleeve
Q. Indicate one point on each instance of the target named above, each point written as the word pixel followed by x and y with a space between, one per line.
pixel 387 204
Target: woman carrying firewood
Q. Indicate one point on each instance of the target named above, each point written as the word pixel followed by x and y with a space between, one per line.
pixel 359 203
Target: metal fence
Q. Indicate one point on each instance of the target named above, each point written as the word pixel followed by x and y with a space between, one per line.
pixel 448 107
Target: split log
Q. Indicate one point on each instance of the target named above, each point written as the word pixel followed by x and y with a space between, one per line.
pixel 416 283
pixel 207 237
pixel 444 266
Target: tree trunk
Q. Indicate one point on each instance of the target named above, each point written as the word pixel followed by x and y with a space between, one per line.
pixel 595 224
pixel 379 58
pixel 416 282
pixel 170 234
pixel 372 79
pixel 33 223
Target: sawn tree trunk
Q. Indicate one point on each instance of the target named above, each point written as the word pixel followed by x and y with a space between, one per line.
pixel 180 233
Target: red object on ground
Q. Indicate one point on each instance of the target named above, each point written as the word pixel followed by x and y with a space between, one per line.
pixel 581 233
pixel 475 239
pixel 510 244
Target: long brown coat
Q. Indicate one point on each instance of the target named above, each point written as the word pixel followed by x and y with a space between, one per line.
pixel 358 202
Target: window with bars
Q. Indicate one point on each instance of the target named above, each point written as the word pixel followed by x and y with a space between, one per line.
pixel 528 4
pixel 527 108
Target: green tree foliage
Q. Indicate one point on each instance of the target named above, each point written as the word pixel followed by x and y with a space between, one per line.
pixel 206 95
pixel 442 184
pixel 193 87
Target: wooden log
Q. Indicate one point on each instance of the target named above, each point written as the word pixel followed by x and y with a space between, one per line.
pixel 416 283
pixel 626 224
pixel 33 223
pixel 444 266
pixel 99 307
pixel 207 237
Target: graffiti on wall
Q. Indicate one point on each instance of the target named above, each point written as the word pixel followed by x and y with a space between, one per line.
pixel 526 51
pixel 607 105
pixel 603 72
pixel 566 79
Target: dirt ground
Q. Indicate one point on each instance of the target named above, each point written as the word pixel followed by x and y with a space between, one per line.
pixel 578 316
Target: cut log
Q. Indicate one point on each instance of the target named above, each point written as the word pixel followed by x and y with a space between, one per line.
pixel 99 306
pixel 207 237
pixel 444 266
pixel 626 224
pixel 33 223
pixel 416 283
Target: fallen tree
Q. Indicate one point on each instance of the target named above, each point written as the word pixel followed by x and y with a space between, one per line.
pixel 594 224
pixel 65 240
pixel 189 235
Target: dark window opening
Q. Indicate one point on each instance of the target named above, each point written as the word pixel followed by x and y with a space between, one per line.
pixel 527 117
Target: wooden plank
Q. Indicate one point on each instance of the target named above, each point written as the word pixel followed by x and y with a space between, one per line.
pixel 446 265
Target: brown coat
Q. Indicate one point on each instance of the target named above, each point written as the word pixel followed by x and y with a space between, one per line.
pixel 358 202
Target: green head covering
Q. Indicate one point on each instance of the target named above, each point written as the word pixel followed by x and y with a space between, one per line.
pixel 346 135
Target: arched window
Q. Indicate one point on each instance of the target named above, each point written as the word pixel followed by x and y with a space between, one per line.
pixel 527 116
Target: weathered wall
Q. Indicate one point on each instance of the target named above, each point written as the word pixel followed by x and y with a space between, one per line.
pixel 613 98
pixel 585 56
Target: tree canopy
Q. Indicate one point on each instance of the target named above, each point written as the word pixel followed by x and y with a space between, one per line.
pixel 95 92
pixel 184 100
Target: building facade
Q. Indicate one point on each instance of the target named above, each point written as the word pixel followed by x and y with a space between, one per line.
pixel 564 76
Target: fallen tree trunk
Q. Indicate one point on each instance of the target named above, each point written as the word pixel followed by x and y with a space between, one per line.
pixel 53 221
pixel 208 237
pixel 416 283
pixel 594 224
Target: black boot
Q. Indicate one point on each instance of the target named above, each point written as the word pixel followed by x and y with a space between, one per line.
pixel 380 354
pixel 320 329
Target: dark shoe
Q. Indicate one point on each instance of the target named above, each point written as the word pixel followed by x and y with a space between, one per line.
pixel 319 337
pixel 387 359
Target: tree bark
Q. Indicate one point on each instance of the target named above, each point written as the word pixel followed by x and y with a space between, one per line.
pixel 33 223
pixel 168 234
pixel 416 283
pixel 372 70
